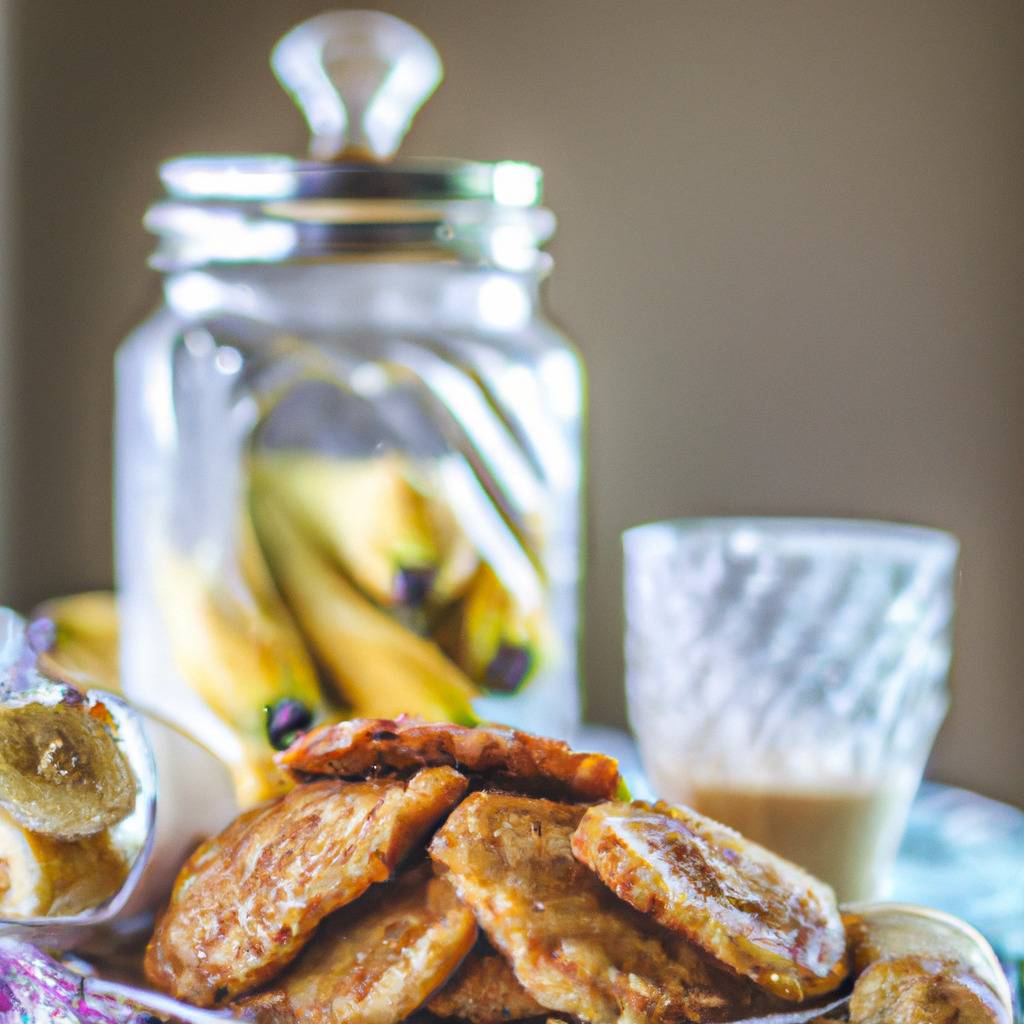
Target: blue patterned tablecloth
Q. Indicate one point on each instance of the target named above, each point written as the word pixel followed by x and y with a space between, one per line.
pixel 964 853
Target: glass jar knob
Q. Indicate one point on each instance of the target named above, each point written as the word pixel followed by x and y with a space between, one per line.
pixel 359 77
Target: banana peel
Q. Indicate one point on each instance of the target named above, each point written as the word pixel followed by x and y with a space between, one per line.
pixel 365 513
pixel 380 668
pixel 41 876
pixel 84 652
pixel 241 653
pixel 496 642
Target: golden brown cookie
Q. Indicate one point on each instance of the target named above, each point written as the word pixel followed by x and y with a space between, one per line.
pixel 247 901
pixel 507 757
pixel 379 959
pixel 574 946
pixel 485 991
pixel 764 917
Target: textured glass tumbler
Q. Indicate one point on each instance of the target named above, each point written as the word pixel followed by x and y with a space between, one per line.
pixel 788 677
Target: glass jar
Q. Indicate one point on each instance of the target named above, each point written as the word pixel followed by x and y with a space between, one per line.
pixel 349 444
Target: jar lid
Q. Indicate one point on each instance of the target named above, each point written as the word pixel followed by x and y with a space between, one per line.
pixel 359 78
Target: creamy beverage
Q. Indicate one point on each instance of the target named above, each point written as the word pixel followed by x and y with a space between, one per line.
pixel 846 836
pixel 787 677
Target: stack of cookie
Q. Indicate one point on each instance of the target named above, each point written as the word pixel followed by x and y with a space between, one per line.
pixel 486 875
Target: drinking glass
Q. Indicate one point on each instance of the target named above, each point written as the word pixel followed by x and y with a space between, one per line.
pixel 788 677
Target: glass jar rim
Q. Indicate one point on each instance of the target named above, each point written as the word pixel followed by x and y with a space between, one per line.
pixel 266 209
pixel 201 233
pixel 268 177
pixel 804 534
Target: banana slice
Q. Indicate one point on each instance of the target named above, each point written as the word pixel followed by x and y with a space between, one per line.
pixel 763 916
pixel 62 775
pixel 878 932
pixel 46 877
pixel 923 990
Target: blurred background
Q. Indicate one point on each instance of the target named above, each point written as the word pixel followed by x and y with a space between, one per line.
pixel 791 246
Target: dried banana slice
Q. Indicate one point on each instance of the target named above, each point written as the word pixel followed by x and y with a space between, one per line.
pixel 763 916
pixel 886 931
pixel 923 990
pixel 62 773
pixel 40 876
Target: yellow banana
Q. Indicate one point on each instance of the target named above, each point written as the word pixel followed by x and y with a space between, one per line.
pixel 40 876
pixel 256 777
pixel 365 513
pixel 459 558
pixel 380 668
pixel 85 649
pixel 495 641
pixel 238 648
pixel 238 658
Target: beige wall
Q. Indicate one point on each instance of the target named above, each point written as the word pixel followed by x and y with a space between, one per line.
pixel 791 245
pixel 6 363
